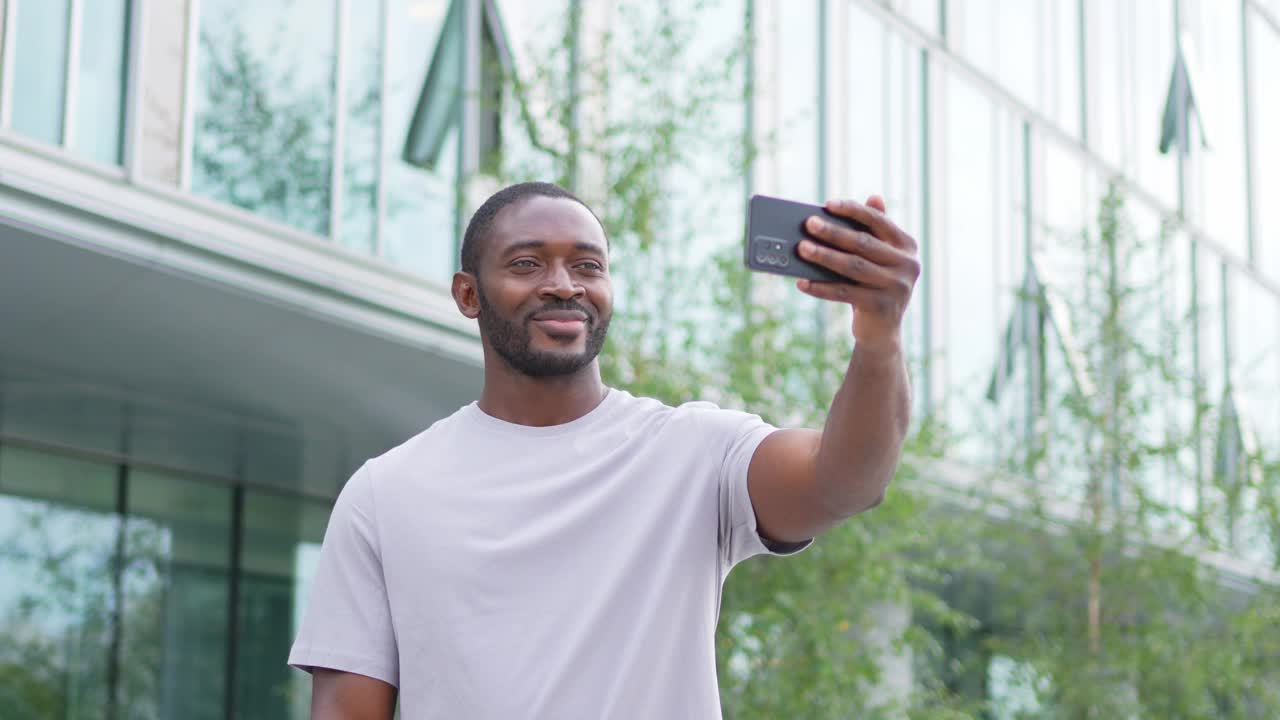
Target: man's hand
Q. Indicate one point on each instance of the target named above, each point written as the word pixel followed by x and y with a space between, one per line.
pixel 882 266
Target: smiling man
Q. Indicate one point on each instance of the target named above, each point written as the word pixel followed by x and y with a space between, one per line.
pixel 557 548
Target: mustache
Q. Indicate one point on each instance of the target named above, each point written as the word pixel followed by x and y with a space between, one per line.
pixel 571 305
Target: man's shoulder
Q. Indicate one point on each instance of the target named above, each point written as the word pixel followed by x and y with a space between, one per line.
pixel 437 438
pixel 690 415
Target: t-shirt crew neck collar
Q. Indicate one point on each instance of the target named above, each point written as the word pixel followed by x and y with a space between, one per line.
pixel 489 422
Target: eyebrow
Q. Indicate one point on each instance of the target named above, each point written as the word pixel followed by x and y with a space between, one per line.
pixel 537 244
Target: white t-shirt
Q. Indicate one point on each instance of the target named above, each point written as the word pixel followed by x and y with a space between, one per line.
pixel 493 570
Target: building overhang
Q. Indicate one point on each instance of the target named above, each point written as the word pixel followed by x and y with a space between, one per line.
pixel 125 307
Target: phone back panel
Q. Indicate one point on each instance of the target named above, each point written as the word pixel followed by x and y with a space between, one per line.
pixel 775 227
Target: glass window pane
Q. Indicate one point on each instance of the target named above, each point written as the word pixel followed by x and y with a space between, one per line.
pixel 1149 48
pixel 173 655
pixel 101 84
pixel 281 546
pixel 1255 358
pixel 1061 54
pixel 1215 51
pixel 1264 48
pixel 967 188
pixel 971 26
pixel 39 68
pixel 924 13
pixel 867 104
pixel 796 118
pixel 58 539
pixel 363 130
pixel 1104 44
pixel 1016 42
pixel 264 108
pixel 420 204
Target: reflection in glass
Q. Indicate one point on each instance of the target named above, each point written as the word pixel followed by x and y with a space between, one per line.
pixel 363 128
pixel 39 74
pixel 419 229
pixel 281 546
pixel 264 108
pixel 100 88
pixel 175 579
pixel 58 539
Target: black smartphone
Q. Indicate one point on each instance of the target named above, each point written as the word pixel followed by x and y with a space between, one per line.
pixel 775 228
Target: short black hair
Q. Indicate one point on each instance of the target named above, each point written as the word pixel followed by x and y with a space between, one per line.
pixel 481 224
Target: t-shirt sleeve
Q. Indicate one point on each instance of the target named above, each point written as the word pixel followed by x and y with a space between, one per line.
pixel 741 433
pixel 347 624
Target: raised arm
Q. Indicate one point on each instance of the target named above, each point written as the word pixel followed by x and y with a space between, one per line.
pixel 802 482
pixel 337 695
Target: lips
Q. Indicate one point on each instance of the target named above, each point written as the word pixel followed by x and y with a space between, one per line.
pixel 562 323
pixel 561 316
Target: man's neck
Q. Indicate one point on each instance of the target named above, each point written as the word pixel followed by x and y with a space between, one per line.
pixel 540 402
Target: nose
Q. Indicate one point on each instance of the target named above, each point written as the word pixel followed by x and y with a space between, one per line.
pixel 560 284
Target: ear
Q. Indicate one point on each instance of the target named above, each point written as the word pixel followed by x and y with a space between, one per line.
pixel 466 294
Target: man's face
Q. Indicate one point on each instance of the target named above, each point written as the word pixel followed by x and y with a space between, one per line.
pixel 544 289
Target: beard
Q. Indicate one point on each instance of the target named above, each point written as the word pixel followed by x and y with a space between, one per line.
pixel 512 342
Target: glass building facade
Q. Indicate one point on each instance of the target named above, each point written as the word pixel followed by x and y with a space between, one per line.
pixel 162 577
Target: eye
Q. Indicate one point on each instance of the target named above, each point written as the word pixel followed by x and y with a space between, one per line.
pixel 591 266
pixel 524 263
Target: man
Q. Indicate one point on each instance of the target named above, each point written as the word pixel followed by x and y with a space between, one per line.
pixel 557 549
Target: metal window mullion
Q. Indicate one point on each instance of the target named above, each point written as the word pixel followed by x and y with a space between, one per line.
pixel 926 227
pixel 822 130
pixel 235 560
pixel 1082 69
pixel 1250 201
pixel 1028 246
pixel 384 85
pixel 6 72
pixel 71 74
pixel 132 151
pixel 191 56
pixel 468 115
pixel 116 630
pixel 1225 279
pixel 338 144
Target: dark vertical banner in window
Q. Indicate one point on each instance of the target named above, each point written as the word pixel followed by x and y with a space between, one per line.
pixel 40 68
pixel 363 134
pixel 100 85
pixel 263 130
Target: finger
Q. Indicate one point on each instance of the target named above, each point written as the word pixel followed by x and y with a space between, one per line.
pixel 876 202
pixel 855 241
pixel 875 220
pixel 838 292
pixel 854 267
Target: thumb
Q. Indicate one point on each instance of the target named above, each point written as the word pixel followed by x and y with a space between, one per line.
pixel 876 202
